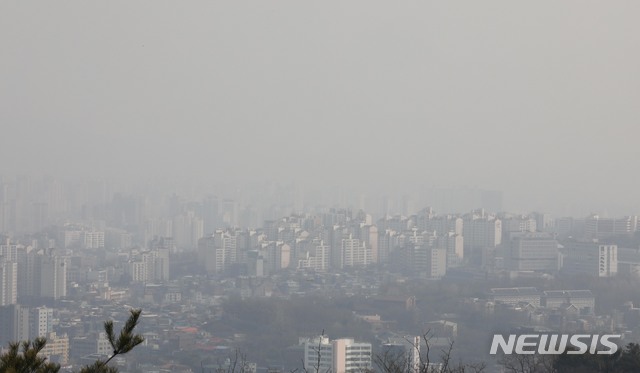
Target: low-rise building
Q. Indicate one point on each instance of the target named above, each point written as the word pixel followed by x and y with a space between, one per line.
pixel 515 296
pixel 583 300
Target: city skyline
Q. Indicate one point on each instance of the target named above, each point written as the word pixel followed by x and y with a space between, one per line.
pixel 319 187
pixel 369 97
pixel 457 199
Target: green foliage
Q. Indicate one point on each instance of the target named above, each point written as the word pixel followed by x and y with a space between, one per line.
pixel 126 340
pixel 98 367
pixel 23 357
pixel 124 343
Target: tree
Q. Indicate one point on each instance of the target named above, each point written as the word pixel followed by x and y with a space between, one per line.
pixel 400 363
pixel 23 357
pixel 625 360
pixel 125 342
pixel 516 363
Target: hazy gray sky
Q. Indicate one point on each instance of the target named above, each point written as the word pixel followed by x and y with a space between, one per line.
pixel 540 99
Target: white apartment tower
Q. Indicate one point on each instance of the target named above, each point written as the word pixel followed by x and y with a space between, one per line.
pixel 150 266
pixel 9 251
pixel 355 253
pixel 350 356
pixel 318 354
pixel 8 283
pixel 436 262
pixel 321 257
pixel 8 274
pixel 369 234
pixel 317 258
pixel 337 356
pixel 40 322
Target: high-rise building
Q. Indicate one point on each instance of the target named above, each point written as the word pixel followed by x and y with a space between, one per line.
pixel 454 244
pixel 187 230
pixel 321 257
pixel 369 234
pixel 161 248
pixel 8 273
pixel 40 322
pixel 436 262
pixel 283 256
pixel 533 252
pixel 277 256
pixel 53 275
pixel 71 238
pixel 158 227
pixel 564 227
pixel 339 356
pixel 387 242
pixel 355 253
pixel 95 343
pixel 93 239
pixel 29 276
pixel 544 222
pixel 318 354
pixel 138 271
pixel 590 258
pixel 14 324
pixel 316 258
pixel 597 227
pixel 8 282
pixel 57 348
pixel 440 224
pixel 150 265
pixel 218 251
pixel 9 251
pixel 517 224
pixel 482 233
pixel 351 356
